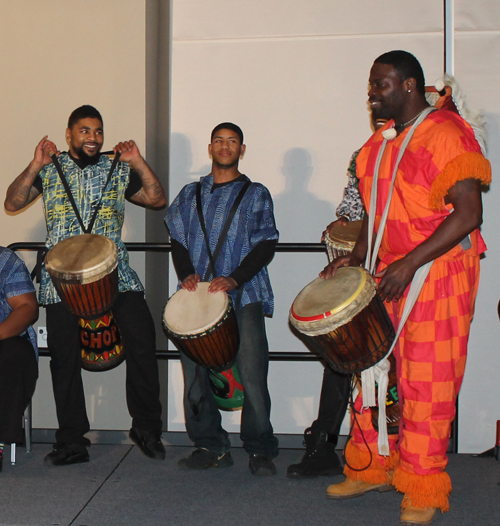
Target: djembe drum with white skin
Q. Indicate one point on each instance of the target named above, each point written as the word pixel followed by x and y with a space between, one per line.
pixel 344 319
pixel 203 326
pixel 84 270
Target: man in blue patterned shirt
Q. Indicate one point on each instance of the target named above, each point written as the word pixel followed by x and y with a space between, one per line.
pixel 86 173
pixel 241 270
pixel 18 350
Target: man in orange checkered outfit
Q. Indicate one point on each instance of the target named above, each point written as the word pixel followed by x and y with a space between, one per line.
pixel 434 215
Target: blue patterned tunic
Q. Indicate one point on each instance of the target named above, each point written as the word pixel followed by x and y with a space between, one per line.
pixel 86 186
pixel 253 223
pixel 15 280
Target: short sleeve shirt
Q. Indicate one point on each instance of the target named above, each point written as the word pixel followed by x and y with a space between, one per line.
pixel 15 280
pixel 87 186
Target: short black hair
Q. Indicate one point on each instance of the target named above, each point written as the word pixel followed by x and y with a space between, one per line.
pixel 227 126
pixel 83 112
pixel 406 65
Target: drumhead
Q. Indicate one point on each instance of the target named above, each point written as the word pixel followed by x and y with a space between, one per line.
pixel 82 259
pixel 188 313
pixel 345 235
pixel 326 304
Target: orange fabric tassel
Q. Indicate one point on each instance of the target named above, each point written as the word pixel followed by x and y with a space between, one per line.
pixel 469 165
pixel 371 471
pixel 423 491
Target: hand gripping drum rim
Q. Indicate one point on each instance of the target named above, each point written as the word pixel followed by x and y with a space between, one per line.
pixel 203 326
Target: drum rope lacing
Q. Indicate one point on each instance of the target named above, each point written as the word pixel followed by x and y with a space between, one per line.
pixel 379 373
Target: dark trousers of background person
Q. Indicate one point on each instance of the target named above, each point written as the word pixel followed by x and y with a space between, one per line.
pixel 203 419
pixel 137 330
pixel 18 375
pixel 333 403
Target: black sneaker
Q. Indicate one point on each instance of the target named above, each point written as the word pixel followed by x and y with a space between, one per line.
pixel 149 442
pixel 261 465
pixel 65 454
pixel 204 459
pixel 1 459
pixel 319 460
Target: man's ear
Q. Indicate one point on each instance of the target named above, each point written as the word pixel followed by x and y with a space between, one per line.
pixel 242 150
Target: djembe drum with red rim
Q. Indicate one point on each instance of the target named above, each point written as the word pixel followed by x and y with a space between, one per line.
pixel 203 326
pixel 84 270
pixel 344 320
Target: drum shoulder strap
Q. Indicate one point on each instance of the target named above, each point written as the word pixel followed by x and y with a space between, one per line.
pixel 213 258
pixel 87 230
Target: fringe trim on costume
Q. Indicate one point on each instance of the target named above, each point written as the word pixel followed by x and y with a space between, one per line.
pixel 469 165
pixel 423 491
pixel 371 472
pixel 474 118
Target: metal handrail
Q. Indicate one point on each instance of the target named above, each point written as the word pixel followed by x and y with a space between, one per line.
pixel 277 356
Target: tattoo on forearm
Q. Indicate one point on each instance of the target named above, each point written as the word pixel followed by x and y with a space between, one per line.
pixel 20 192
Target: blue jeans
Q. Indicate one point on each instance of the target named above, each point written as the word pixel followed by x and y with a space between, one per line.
pixel 203 420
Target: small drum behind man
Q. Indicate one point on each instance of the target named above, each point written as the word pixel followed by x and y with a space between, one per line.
pixel 84 270
pixel 203 326
pixel 341 238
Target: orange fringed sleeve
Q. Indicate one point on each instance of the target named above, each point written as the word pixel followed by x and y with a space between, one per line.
pixel 469 165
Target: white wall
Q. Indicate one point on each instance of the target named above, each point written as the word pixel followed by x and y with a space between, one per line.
pixel 477 46
pixel 294 77
pixel 57 55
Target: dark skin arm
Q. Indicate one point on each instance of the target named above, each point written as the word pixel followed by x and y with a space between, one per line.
pixel 151 195
pixel 465 196
pixel 21 192
pixel 24 313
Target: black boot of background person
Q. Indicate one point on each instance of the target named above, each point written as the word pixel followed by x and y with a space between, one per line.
pixel 320 458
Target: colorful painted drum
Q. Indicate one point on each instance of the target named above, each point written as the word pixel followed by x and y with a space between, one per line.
pixel 102 347
pixel 84 270
pixel 227 388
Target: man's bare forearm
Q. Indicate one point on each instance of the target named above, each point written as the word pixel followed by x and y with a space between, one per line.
pixel 21 192
pixel 152 193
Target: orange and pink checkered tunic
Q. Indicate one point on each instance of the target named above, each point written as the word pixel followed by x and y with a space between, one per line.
pixel 432 349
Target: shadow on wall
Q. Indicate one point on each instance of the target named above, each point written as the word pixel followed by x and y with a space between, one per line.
pixel 300 216
pixel 182 162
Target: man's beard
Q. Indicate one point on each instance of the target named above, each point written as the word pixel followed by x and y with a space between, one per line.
pixel 85 158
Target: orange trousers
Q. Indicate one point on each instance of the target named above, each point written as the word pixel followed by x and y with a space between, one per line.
pixel 430 357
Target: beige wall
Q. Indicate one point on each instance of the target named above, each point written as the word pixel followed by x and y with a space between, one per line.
pixel 294 76
pixel 477 48
pixel 57 55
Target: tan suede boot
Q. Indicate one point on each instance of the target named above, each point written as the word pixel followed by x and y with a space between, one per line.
pixel 354 488
pixel 412 515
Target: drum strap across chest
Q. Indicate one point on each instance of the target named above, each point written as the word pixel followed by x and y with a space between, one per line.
pixel 199 208
pixel 88 229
